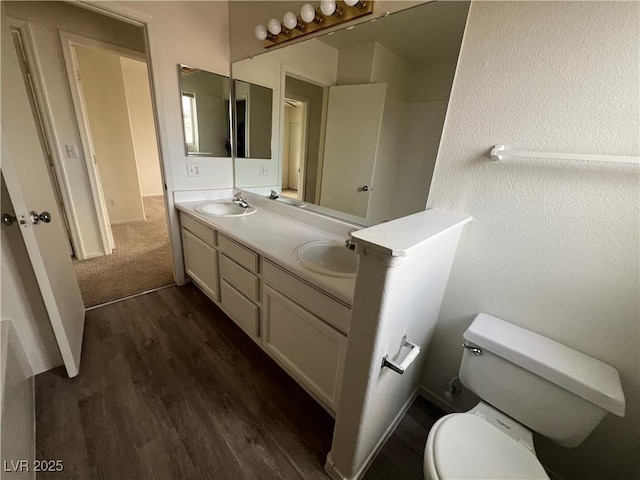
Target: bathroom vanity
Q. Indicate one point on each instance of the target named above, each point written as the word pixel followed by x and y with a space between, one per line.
pixel 245 264
pixel 348 333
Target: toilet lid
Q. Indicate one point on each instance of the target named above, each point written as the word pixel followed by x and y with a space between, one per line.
pixel 467 447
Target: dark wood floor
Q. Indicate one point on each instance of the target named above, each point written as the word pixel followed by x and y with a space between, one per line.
pixel 402 456
pixel 171 388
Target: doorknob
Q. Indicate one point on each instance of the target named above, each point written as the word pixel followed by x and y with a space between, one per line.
pixel 8 219
pixel 43 217
pixel 364 188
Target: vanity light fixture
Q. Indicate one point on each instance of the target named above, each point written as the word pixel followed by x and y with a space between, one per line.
pixel 361 4
pixel 275 27
pixel 291 21
pixel 329 7
pixel 261 33
pixel 309 14
pixel 330 14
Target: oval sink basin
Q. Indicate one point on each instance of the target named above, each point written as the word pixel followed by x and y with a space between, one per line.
pixel 223 209
pixel 328 257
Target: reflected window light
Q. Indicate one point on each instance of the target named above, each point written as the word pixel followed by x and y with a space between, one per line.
pixel 190 120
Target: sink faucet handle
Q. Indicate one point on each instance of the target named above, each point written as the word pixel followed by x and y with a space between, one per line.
pixel 349 243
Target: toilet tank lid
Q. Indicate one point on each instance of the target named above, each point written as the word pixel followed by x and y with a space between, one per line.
pixel 570 369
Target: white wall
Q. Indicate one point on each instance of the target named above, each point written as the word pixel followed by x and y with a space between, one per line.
pixel 554 245
pixel 314 61
pixel 194 34
pixel 108 117
pixel 47 19
pixel 145 144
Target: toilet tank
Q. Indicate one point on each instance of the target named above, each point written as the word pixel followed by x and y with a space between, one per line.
pixel 552 389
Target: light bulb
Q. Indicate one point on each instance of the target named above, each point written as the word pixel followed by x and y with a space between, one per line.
pixel 308 14
pixel 355 3
pixel 261 32
pixel 290 21
pixel 328 7
pixel 274 26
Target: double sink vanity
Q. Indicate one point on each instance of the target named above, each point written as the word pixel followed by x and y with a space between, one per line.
pixel 288 283
pixel 345 129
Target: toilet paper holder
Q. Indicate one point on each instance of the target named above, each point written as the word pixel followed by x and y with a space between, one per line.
pixel 400 368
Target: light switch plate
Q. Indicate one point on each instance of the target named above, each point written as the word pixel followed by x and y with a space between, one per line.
pixel 264 169
pixel 193 169
pixel 72 151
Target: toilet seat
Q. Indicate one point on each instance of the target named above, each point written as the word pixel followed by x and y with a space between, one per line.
pixel 464 446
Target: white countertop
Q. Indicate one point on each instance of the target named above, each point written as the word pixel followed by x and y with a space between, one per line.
pixel 275 237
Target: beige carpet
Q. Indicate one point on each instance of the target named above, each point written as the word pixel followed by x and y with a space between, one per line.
pixel 140 261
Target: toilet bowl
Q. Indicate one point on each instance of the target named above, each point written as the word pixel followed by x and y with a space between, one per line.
pixel 526 383
pixel 482 443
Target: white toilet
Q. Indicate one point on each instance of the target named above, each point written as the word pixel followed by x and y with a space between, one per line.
pixel 530 383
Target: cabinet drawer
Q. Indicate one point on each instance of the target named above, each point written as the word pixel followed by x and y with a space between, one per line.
pixel 244 281
pixel 201 263
pixel 240 254
pixel 309 349
pixel 330 310
pixel 204 233
pixel 241 310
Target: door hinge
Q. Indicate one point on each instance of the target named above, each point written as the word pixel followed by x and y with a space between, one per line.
pixel 78 75
pixel 95 160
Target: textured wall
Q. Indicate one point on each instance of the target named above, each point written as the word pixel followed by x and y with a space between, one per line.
pixel 554 245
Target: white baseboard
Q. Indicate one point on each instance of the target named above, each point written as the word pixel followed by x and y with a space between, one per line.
pixel 438 401
pixel 335 474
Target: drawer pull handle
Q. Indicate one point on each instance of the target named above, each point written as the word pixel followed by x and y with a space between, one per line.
pixel 408 360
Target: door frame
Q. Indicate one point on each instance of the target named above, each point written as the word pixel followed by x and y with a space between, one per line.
pixel 41 98
pixel 152 31
pixel 69 42
pixel 299 74
pixel 304 132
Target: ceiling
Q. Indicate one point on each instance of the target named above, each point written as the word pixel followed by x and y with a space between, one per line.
pixel 429 33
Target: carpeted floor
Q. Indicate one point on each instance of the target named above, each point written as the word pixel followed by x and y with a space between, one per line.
pixel 141 260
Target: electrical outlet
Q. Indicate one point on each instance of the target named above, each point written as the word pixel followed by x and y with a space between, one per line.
pixel 72 151
pixel 264 169
pixel 193 169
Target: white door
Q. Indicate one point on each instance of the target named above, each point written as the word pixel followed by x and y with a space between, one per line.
pixel 24 167
pixel 354 118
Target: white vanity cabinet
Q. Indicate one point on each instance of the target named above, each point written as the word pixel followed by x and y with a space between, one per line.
pixel 301 327
pixel 307 345
pixel 200 256
pixel 240 284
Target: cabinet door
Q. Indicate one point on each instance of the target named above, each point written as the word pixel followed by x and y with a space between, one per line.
pixel 201 264
pixel 309 349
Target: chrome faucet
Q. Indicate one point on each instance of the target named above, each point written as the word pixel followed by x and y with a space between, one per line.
pixel 239 200
pixel 273 195
pixel 349 243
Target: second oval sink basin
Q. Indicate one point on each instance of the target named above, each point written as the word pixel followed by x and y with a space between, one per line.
pixel 223 209
pixel 328 257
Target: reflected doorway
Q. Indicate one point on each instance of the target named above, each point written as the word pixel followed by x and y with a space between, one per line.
pixel 294 147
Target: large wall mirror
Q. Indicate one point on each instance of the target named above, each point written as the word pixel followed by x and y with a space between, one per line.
pixel 358 113
pixel 205 112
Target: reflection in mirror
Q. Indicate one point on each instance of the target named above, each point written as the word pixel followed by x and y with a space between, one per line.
pixel 253 105
pixel 205 112
pixel 358 113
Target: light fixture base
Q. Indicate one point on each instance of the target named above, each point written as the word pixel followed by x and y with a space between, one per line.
pixel 348 13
